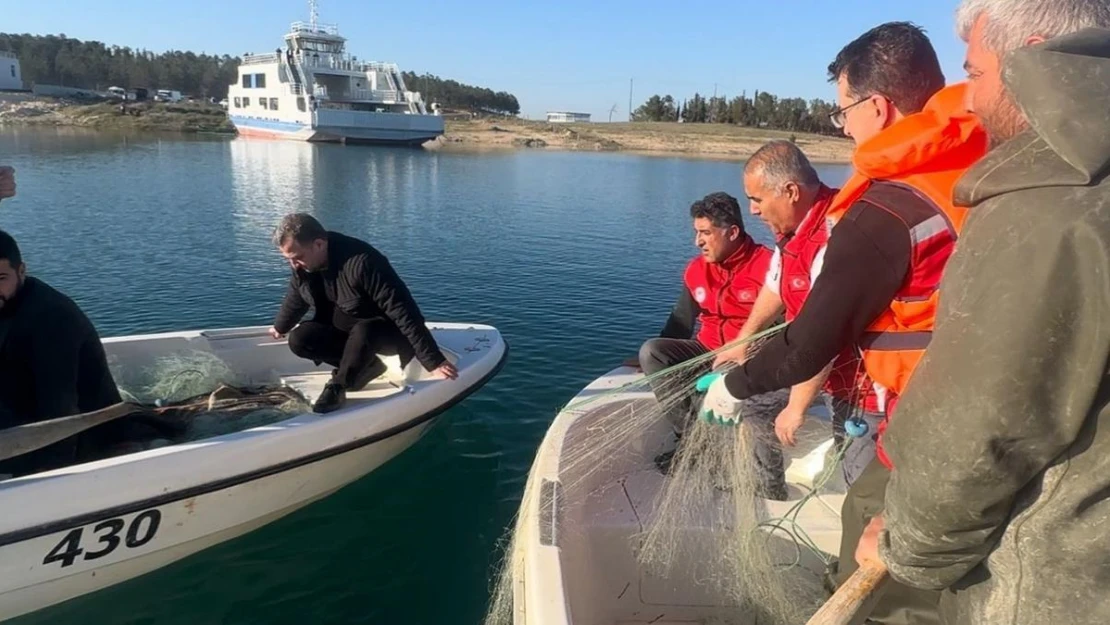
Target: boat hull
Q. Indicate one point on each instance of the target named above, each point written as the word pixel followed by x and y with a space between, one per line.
pixel 346 127
pixel 180 527
pixel 72 531
pixel 573 557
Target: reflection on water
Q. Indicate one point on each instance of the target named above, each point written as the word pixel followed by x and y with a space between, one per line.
pixel 575 257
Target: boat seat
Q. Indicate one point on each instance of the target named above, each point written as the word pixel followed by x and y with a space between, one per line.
pixel 311 383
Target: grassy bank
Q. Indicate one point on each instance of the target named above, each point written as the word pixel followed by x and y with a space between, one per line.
pixel 147 116
pixel 693 140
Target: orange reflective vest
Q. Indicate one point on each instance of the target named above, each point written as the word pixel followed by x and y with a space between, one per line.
pixel 928 152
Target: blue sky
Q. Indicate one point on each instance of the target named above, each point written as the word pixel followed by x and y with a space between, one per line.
pixel 562 55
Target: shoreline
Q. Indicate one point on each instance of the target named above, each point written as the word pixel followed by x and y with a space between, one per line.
pixel 720 142
pixel 701 141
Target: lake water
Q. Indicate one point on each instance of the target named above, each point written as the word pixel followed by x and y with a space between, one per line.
pixel 575 257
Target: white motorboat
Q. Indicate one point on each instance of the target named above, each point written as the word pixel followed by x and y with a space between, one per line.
pixel 582 521
pixel 75 530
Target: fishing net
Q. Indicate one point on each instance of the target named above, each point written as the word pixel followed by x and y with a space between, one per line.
pixel 709 523
pixel 192 395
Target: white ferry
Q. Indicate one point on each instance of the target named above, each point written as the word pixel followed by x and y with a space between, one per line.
pixel 312 90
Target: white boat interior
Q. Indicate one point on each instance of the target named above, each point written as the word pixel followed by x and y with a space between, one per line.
pixel 578 533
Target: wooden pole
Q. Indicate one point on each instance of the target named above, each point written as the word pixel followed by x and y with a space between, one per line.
pixel 851 603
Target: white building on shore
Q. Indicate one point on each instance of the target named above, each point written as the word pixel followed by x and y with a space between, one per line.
pixel 566 117
pixel 10 76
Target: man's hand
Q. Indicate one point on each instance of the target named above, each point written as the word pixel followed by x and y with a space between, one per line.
pixel 274 334
pixel 7 182
pixel 446 371
pixel 787 424
pixel 868 548
pixel 736 354
pixel 633 362
pixel 719 406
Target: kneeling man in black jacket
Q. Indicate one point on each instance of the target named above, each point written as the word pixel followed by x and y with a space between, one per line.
pixel 362 308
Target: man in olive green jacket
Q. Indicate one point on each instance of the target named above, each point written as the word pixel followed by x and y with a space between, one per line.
pixel 1000 493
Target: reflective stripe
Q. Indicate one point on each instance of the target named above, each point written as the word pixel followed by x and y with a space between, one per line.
pixel 931 227
pixel 895 341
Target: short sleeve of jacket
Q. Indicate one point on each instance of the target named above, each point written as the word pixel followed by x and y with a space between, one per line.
pixel 774 272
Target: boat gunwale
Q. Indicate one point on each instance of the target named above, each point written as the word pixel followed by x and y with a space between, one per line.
pixel 51 527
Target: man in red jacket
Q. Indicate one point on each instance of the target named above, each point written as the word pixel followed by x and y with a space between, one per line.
pixel 720 288
pixel 785 191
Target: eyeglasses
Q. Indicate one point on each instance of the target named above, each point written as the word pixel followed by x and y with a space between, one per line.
pixel 838 117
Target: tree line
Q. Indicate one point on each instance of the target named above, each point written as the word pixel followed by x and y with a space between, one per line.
pixel 455 95
pixel 764 110
pixel 61 60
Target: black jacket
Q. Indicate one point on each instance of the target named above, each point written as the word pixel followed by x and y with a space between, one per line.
pixel 361 283
pixel 866 261
pixel 52 364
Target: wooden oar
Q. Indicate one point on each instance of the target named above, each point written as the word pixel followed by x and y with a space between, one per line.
pixel 852 602
pixel 29 437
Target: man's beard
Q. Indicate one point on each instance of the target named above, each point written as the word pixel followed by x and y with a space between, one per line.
pixel 1002 119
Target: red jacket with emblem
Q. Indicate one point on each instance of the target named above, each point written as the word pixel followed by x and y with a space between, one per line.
pixel 725 292
pixel 792 272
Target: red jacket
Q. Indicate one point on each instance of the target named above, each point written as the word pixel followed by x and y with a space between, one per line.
pixel 794 267
pixel 725 292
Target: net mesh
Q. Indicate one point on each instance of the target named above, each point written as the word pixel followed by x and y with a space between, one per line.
pixel 708 523
pixel 197 395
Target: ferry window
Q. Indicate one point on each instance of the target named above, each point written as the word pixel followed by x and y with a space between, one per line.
pixel 260 81
pixel 246 102
pixel 246 81
pixel 273 104
pixel 262 101
pixel 300 104
pixel 13 71
pixel 238 103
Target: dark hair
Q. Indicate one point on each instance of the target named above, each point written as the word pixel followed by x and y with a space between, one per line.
pixel 720 208
pixel 9 250
pixel 895 60
pixel 301 227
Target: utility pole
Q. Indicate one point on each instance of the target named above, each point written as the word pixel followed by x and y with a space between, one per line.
pixel 714 91
pixel 629 99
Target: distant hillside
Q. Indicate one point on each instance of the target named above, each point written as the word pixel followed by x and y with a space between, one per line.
pixel 60 60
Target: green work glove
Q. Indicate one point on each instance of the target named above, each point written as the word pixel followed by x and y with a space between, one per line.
pixel 718 406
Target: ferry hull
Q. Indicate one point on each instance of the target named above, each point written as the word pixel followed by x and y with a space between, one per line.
pixel 389 130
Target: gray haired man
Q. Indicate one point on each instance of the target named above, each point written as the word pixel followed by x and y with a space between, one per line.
pixel 1000 492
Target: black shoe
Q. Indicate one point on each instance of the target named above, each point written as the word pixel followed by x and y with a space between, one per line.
pixel 331 398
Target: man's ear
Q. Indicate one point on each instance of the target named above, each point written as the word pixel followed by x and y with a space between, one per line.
pixel 792 191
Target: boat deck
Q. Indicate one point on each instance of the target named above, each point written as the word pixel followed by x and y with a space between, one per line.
pixel 311 383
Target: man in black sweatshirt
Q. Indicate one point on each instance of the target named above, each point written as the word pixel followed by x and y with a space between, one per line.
pixel 362 308
pixel 52 364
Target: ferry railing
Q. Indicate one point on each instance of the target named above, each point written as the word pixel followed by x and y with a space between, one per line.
pixel 7 55
pixel 259 59
pixel 308 27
